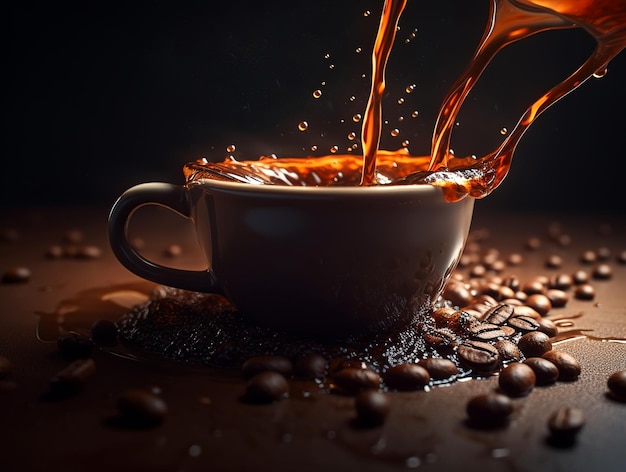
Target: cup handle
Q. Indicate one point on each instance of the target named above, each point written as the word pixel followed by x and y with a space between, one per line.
pixel 175 198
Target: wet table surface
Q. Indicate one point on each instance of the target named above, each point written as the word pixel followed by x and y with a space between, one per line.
pixel 209 427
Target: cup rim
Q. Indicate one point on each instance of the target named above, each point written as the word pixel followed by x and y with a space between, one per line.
pixel 251 187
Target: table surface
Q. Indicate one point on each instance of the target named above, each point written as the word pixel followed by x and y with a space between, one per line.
pixel 208 426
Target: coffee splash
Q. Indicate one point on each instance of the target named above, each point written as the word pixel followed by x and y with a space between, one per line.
pixel 509 21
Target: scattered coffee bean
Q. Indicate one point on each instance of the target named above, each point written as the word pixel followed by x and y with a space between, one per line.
pixel 406 377
pixel 439 368
pixel 352 380
pixel 104 332
pixel 617 385
pixel 478 271
pixel 74 345
pixel 88 252
pixel 16 275
pixel 515 259
pixel 534 344
pixel 558 298
pixel 546 372
pixel 73 236
pixel 602 272
pixel 486 332
pixel 517 380
pixel 267 387
pixel 561 282
pixel 554 261
pixel 5 367
pixel 457 294
pixel 525 310
pixel 507 350
pixel 588 257
pixel 55 252
pixel 173 250
pixel 533 243
pixel 440 339
pixel 569 367
pixel 621 257
pixel 585 292
pixel 142 408
pixel 565 423
pixel 580 277
pixel 72 378
pixel 499 314
pixel 523 323
pixel 489 410
pixel 263 363
pixel 479 356
pixel 372 407
pixel 540 303
pixel 533 287
pixel 311 366
pixel 603 253
pixel 548 326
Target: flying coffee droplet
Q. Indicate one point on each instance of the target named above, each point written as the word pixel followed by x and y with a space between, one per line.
pixel 503 131
pixel 414 114
pixel 303 126
pixel 358 50
pixel 400 119
pixel 313 148
pixel 400 101
pixel 317 93
pixel 395 132
pixel 355 146
pixel 231 148
pixel 405 143
pixel 351 136
pixel 366 13
pixel 334 149
pixel 356 118
pixel 409 88
pixel 352 98
pixel 326 56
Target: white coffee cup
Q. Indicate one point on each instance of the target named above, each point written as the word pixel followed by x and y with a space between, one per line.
pixel 330 261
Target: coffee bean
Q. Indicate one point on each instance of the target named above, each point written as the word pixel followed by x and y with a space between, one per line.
pixel 554 261
pixel 621 257
pixel 523 323
pixel 588 257
pixel 55 252
pixel 533 287
pixel 517 380
pixel 489 410
pixel 512 281
pixel 603 253
pixel 311 366
pixel 546 372
pixel 499 314
pixel 352 380
pixel 72 378
pixel 534 344
pixel 263 363
pixel 88 252
pixel 569 367
pixel 372 407
pixel 457 294
pixel 443 316
pixel 540 303
pixel 406 377
pixel 479 356
pixel 565 423
pixel 439 368
pixel 617 385
pixel 104 332
pixel 561 282
pixel 602 272
pixel 73 236
pixel 533 243
pixel 558 298
pixel 525 310
pixel 5 367
pixel 486 332
pixel 267 387
pixel 507 350
pixel 585 292
pixel 339 363
pixel 16 275
pixel 142 408
pixel 515 259
pixel 478 271
pixel 172 250
pixel 74 345
pixel 440 339
pixel 580 277
pixel 548 326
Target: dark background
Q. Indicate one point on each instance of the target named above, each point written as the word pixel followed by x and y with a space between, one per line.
pixel 101 96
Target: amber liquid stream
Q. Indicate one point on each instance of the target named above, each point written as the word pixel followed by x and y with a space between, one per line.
pixel 509 21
